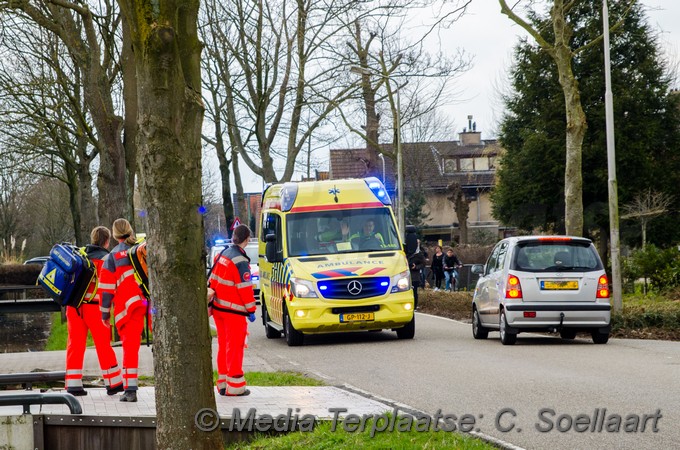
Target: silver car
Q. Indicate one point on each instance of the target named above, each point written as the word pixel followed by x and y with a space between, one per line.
pixel 542 283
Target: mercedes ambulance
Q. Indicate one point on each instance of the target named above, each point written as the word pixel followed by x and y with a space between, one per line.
pixel 316 276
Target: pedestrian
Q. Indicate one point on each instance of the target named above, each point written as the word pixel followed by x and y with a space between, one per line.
pixel 438 267
pixel 451 265
pixel 87 318
pixel 231 293
pixel 120 290
pixel 416 262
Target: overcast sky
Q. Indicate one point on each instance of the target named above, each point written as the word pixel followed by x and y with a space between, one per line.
pixel 489 37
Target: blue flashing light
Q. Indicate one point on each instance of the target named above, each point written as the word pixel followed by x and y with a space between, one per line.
pixel 220 241
pixel 384 283
pixel 288 196
pixel 322 287
pixel 255 277
pixel 378 189
pixel 202 210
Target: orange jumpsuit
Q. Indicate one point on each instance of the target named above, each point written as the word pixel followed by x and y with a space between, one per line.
pixel 233 301
pixel 120 288
pixel 79 321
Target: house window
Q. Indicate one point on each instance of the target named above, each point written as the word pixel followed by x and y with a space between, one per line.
pixel 482 163
pixel 492 163
pixel 449 165
pixel 467 164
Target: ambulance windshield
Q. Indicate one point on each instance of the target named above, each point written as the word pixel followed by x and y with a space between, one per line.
pixel 341 231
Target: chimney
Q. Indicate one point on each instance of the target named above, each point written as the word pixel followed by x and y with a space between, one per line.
pixel 470 135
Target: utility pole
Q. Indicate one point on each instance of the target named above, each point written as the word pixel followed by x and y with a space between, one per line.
pixel 611 166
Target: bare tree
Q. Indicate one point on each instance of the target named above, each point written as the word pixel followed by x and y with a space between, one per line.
pixel 89 34
pixel 559 46
pixel 165 41
pixel 461 203
pixel 44 119
pixel 646 206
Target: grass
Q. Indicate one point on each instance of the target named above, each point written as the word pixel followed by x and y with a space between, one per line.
pixel 59 334
pixel 323 438
pixel 261 379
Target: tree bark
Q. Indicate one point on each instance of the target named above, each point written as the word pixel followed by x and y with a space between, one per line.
pixel 130 121
pixel 167 51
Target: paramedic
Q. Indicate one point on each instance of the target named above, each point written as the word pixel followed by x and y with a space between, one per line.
pixel 231 292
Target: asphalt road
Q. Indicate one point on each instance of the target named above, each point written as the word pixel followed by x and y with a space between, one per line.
pixel 445 369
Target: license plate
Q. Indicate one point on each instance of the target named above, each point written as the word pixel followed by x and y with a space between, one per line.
pixel 357 317
pixel 570 285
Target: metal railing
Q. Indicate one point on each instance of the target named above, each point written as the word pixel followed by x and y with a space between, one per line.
pixel 13 300
pixel 34 398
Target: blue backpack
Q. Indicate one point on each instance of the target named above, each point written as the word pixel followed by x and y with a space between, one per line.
pixel 67 274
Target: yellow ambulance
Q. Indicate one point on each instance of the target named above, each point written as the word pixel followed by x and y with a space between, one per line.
pixel 331 260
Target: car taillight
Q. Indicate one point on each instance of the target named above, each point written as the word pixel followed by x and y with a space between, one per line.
pixel 602 287
pixel 513 289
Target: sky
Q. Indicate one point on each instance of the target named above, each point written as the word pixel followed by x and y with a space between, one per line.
pixel 489 37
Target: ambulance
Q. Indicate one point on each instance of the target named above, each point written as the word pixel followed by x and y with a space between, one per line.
pixel 331 260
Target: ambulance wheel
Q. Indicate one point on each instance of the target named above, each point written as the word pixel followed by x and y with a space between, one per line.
pixel 269 331
pixel 293 337
pixel 408 331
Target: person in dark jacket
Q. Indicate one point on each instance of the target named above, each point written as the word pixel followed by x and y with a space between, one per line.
pixel 438 267
pixel 416 262
pixel 451 266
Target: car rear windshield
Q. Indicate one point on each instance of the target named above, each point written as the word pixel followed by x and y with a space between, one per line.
pixel 536 256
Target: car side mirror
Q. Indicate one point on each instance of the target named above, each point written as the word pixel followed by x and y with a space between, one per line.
pixel 478 269
pixel 270 249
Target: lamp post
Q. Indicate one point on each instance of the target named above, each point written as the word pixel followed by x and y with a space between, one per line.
pixel 611 166
pixel 400 163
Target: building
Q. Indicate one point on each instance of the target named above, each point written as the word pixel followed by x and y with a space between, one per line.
pixel 432 167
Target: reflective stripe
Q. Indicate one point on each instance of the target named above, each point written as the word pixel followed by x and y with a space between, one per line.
pixel 112 377
pixel 236 385
pixel 230 305
pixel 245 284
pixel 89 296
pixel 74 383
pixel 70 373
pixel 250 305
pixel 102 309
pixel 130 377
pixel 125 274
pixel 128 303
pixel 107 287
pixel 221 280
pixel 239 259
pixel 221 382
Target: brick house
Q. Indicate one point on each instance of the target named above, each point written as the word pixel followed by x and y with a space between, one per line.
pixel 432 167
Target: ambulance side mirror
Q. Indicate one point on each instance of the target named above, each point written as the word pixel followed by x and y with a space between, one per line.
pixel 270 249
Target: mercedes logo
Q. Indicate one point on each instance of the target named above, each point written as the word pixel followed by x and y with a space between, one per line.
pixel 354 287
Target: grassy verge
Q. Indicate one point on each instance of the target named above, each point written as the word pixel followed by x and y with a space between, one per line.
pixel 323 438
pixel 59 335
pixel 261 379
pixel 651 316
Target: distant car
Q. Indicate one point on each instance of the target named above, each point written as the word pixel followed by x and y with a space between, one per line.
pixel 252 252
pixel 37 260
pixel 542 283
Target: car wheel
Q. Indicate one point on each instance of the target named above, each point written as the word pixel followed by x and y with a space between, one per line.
pixel 408 331
pixel 478 331
pixel 269 331
pixel 567 333
pixel 506 338
pixel 599 338
pixel 294 338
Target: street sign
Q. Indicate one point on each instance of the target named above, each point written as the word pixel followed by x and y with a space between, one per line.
pixel 235 223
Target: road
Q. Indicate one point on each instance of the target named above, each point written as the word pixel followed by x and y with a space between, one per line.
pixel 445 369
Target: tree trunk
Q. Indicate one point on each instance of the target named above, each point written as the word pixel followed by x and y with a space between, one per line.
pixel 130 122
pixel 88 207
pixel 167 53
pixel 576 124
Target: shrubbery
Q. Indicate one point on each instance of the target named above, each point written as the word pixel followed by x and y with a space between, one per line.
pixel 660 266
pixel 19 274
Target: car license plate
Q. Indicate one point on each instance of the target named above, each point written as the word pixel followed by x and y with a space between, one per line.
pixel 357 317
pixel 562 285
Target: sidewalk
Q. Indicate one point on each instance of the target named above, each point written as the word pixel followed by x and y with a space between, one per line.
pixel 314 400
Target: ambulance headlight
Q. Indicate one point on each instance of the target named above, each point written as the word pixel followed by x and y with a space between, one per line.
pixel 302 288
pixel 401 282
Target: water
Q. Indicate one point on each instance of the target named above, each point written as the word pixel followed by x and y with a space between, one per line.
pixel 24 332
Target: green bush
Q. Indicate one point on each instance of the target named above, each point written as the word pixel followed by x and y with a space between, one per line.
pixel 660 266
pixel 19 274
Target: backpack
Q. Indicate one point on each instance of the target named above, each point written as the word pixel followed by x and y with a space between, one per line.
pixel 137 255
pixel 67 275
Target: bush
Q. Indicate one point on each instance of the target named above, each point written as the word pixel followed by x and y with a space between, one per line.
pixel 660 266
pixel 19 274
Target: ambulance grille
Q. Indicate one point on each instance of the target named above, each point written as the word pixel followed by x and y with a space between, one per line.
pixel 354 288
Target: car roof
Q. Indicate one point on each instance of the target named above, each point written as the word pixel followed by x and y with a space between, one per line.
pixel 549 238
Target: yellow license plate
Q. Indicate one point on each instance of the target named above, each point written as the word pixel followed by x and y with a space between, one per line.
pixel 570 285
pixel 357 317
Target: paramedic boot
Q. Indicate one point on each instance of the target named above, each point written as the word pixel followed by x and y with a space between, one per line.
pixel 129 396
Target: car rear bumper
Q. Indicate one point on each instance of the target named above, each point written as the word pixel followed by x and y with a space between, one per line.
pixel 583 315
